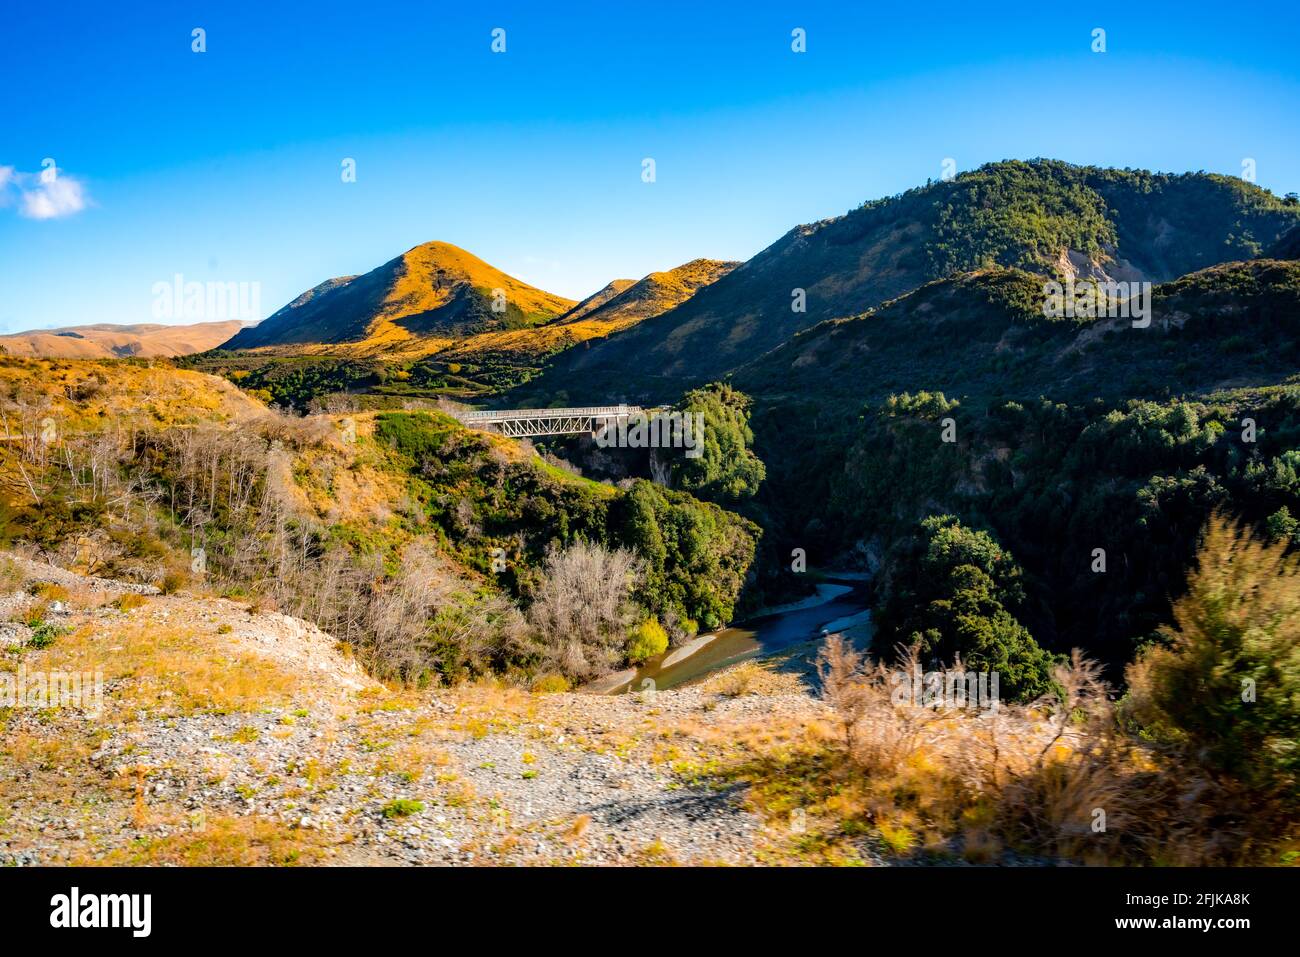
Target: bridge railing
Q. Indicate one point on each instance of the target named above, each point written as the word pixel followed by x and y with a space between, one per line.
pixel 503 415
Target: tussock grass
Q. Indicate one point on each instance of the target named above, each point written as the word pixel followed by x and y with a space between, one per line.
pixel 129 600
pixel 751 678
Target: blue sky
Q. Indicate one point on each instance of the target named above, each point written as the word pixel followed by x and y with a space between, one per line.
pixel 225 166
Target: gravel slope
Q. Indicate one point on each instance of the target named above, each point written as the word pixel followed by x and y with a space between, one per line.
pixel 318 763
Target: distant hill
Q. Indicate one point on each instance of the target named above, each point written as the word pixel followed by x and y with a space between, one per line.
pixel 435 290
pixel 619 305
pixel 515 355
pixel 451 361
pixel 108 341
pixel 597 299
pixel 1043 216
pixel 653 295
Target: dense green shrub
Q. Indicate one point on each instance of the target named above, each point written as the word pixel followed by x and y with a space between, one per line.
pixel 953 591
pixel 1223 683
pixel 697 555
pixel 727 470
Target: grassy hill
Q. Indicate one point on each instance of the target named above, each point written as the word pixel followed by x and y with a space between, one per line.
pixel 597 299
pixel 432 290
pixel 447 363
pixel 1044 217
pixel 651 296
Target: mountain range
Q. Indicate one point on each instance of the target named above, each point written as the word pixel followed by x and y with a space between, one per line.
pixel 433 291
pixel 445 322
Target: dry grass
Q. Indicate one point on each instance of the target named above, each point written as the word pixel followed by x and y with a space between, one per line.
pixel 163 668
pixel 12 574
pixel 48 591
pixel 31 754
pixel 225 841
pixel 487 706
pixel 89 395
pixel 751 678
pixel 129 600
pixel 1058 779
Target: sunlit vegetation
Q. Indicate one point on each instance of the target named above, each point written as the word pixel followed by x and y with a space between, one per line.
pixel 1220 687
pixel 1185 770
pixel 437 553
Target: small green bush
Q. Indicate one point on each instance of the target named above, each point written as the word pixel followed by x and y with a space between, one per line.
pixel 44 633
pixel 402 807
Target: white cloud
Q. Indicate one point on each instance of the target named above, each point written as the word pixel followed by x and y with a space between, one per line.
pixel 40 196
pixel 59 197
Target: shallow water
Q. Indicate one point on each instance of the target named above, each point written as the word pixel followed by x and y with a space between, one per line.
pixel 749 639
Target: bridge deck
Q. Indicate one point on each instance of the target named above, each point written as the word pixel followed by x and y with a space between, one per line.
pixel 529 422
pixel 505 415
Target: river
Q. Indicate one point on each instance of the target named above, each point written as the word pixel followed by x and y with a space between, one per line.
pixel 847 605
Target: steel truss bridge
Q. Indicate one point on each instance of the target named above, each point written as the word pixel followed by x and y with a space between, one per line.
pixel 522 423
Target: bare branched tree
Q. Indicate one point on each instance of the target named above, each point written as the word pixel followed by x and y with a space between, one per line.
pixel 582 609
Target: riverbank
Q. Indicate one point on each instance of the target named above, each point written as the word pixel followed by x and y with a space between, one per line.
pixel 843 605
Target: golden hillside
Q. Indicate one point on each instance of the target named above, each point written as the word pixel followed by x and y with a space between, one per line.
pixel 597 299
pixel 655 294
pixel 435 290
pixel 617 306
pixel 98 394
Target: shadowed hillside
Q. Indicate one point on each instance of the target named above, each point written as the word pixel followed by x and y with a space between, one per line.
pixel 1042 216
pixel 984 334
